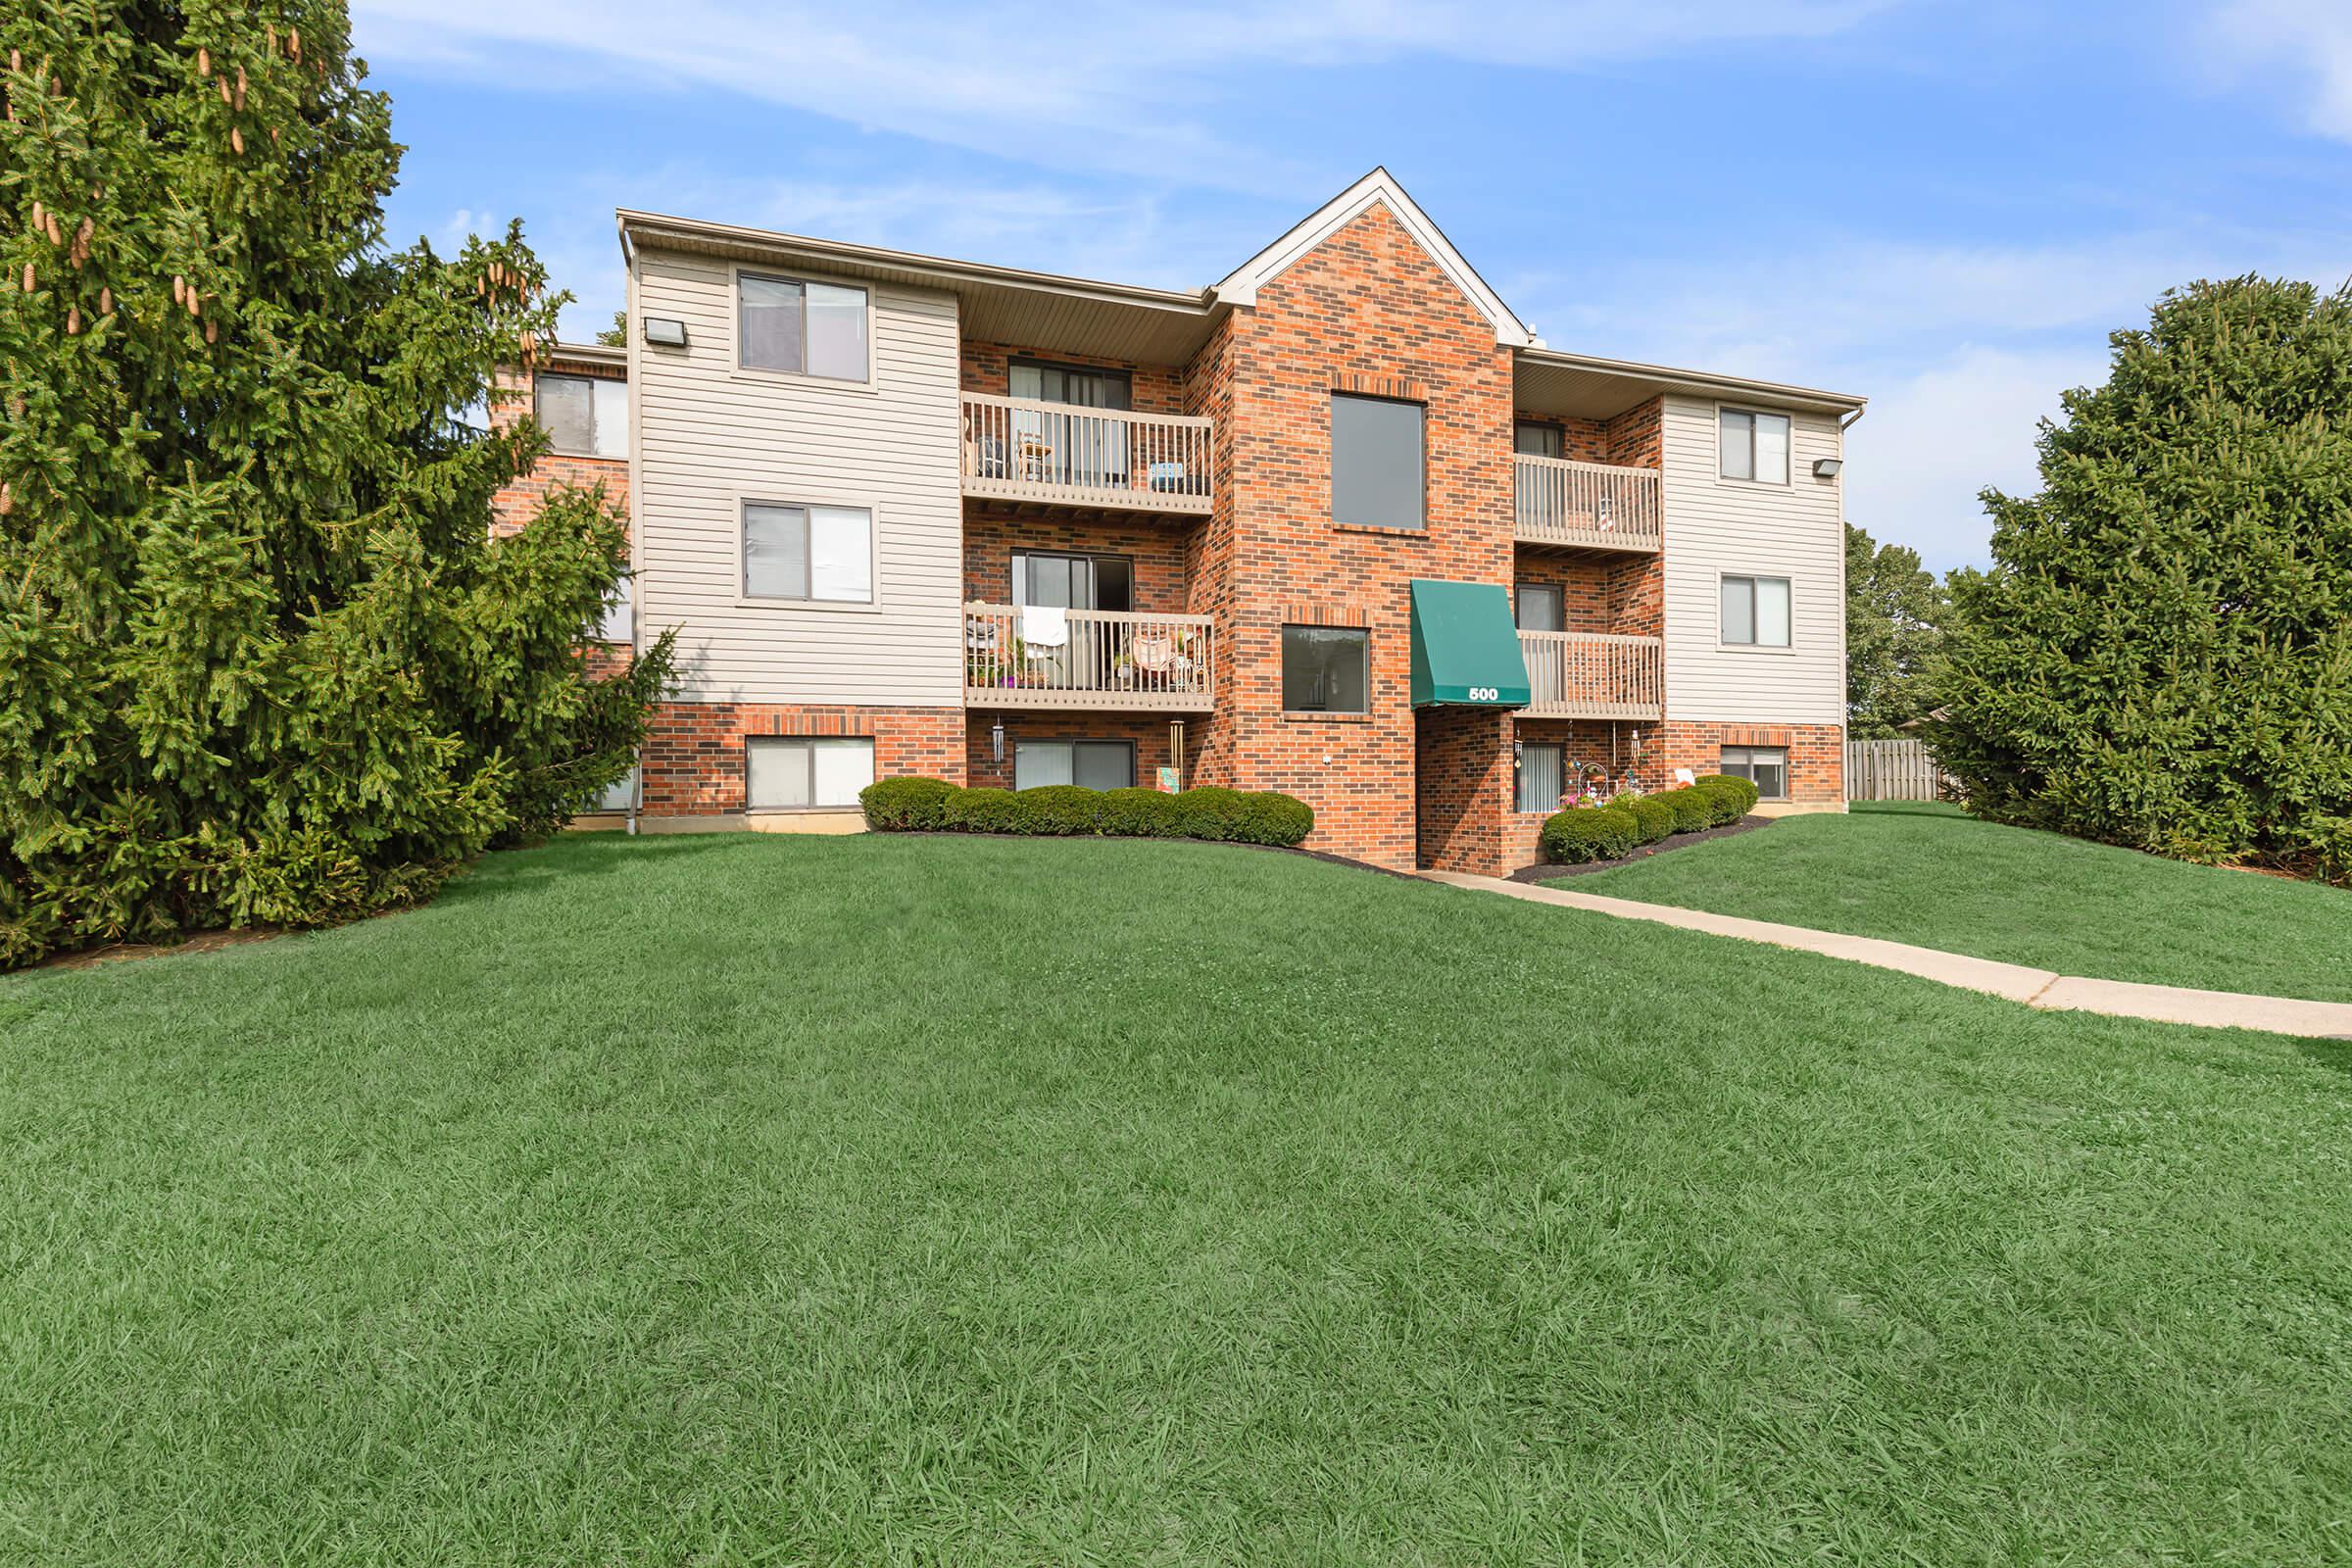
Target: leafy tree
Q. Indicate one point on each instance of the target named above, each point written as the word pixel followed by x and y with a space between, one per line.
pixel 2161 654
pixel 615 336
pixel 260 658
pixel 1894 612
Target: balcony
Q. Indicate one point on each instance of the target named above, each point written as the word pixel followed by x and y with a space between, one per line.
pixel 1015 449
pixel 1580 674
pixel 1092 658
pixel 1589 505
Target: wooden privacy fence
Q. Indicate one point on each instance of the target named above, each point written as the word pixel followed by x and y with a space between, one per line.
pixel 1892 770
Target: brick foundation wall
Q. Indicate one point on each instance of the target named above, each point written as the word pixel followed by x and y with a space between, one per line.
pixel 693 757
pixel 1148 733
pixel 1816 753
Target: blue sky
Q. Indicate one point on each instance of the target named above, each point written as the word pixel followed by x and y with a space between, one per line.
pixel 1944 206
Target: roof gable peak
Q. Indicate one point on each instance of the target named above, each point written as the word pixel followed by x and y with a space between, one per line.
pixel 1377 188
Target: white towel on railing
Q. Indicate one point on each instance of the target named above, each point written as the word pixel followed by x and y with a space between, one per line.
pixel 1045 625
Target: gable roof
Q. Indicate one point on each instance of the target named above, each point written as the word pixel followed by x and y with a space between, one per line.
pixel 1379 187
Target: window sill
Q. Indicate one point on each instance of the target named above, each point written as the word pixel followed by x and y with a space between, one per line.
pixel 845 606
pixel 1295 716
pixel 1767 650
pixel 830 383
pixel 1421 532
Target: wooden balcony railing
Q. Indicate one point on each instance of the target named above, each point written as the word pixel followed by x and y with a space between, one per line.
pixel 1014 657
pixel 1581 674
pixel 1593 505
pixel 1019 449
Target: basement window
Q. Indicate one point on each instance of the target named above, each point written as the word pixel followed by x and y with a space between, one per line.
pixel 1764 766
pixel 1090 765
pixel 791 773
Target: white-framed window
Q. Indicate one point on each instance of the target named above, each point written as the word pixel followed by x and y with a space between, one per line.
pixel 1753 446
pixel 585 416
pixel 1764 766
pixel 802 326
pixel 793 772
pixel 1376 466
pixel 1093 764
pixel 1756 612
pixel 1326 669
pixel 618 625
pixel 1540 778
pixel 819 554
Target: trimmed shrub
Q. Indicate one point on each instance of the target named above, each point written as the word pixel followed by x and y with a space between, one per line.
pixel 1737 795
pixel 1269 816
pixel 905 805
pixel 1589 833
pixel 1210 812
pixel 1653 818
pixel 1061 810
pixel 984 811
pixel 1139 814
pixel 1693 808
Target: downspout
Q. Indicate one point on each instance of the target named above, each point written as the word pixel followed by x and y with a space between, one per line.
pixel 628 261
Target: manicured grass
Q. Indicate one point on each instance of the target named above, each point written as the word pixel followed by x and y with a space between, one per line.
pixel 938 1200
pixel 1929 873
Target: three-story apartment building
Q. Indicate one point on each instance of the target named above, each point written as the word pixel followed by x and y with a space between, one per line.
pixel 1340 526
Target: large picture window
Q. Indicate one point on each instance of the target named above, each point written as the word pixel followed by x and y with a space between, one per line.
pixel 1765 766
pixel 1324 669
pixel 800 325
pixel 821 554
pixel 1756 612
pixel 1753 446
pixel 787 773
pixel 1376 446
pixel 1093 764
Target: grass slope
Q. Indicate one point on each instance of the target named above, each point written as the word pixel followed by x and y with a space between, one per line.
pixel 744 1199
pixel 1928 873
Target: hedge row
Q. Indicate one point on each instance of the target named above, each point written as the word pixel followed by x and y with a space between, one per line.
pixel 1237 817
pixel 1609 832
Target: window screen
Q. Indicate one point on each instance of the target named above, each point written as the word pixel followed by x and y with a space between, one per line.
pixel 1375 461
pixel 1753 446
pixel 1766 767
pixel 808 328
pixel 816 553
pixel 567 406
pixel 1323 671
pixel 787 773
pixel 1532 439
pixel 1538 607
pixel 1756 612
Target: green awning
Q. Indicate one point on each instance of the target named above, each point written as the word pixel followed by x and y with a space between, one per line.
pixel 1467 646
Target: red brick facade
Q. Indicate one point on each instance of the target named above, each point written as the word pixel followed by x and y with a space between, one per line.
pixel 693 760
pixel 1816 753
pixel 1148 733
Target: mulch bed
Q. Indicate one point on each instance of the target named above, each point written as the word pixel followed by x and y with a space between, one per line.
pixel 1545 872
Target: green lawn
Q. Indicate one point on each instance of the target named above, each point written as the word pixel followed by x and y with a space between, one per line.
pixel 1923 872
pixel 931 1200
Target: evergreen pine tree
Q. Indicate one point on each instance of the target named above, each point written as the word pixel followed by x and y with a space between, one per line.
pixel 2161 654
pixel 260 658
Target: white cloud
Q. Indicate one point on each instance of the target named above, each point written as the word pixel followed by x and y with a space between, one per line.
pixel 1131 88
pixel 2306 42
pixel 1930 441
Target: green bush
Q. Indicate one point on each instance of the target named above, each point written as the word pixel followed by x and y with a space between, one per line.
pixel 1061 810
pixel 1693 808
pixel 984 811
pixel 1139 814
pixel 1589 833
pixel 1269 816
pixel 1736 796
pixel 1653 818
pixel 905 805
pixel 1210 812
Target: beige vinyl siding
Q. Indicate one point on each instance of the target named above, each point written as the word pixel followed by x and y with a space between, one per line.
pixel 1716 526
pixel 711 437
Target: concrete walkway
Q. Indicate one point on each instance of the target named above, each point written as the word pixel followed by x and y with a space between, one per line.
pixel 2035 988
